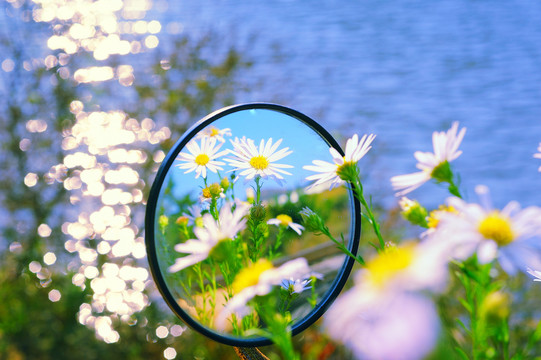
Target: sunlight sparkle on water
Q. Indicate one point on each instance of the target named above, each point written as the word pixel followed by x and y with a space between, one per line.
pixel 44 230
pixel 170 353
pixel 98 27
pixel 31 179
pixel 162 332
pixel 102 157
pixel 54 295
pixel 49 258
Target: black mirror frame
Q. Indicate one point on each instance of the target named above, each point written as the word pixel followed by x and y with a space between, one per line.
pixel 150 215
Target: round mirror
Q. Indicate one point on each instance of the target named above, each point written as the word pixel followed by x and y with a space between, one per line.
pixel 232 224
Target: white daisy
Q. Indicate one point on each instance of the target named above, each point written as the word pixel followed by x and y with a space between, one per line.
pixel 432 165
pixel 258 280
pixel 260 161
pixel 384 307
pixel 376 325
pixel 226 228
pixel 329 173
pixel 511 235
pixel 538 155
pixel 409 267
pixel 296 286
pixel 201 157
pixel 214 132
pixel 535 273
pixel 286 221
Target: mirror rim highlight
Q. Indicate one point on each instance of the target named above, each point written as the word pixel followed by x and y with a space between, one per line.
pixel 150 216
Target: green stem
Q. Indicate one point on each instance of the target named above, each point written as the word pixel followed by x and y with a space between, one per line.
pixel 274 248
pixel 258 191
pixel 214 208
pixel 184 230
pixel 325 231
pixel 278 330
pixel 200 281
pixel 312 300
pixel 358 190
pixel 486 333
pixel 453 189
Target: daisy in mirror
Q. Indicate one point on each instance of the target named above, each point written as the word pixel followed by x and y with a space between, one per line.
pixel 259 161
pixel 201 157
pixel 285 221
pixel 212 233
pixel 214 132
pixel 259 279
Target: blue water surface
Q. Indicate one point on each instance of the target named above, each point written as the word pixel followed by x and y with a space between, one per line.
pixel 400 69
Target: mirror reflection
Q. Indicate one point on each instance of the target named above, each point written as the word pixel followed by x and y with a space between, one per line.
pixel 236 223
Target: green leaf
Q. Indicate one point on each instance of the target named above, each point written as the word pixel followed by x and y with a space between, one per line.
pixel 461 324
pixel 466 305
pixel 461 352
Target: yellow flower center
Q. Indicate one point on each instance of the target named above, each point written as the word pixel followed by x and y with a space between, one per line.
pixel 498 228
pixel 250 276
pixel 285 220
pixel 214 132
pixel 387 264
pixel 206 193
pixel 259 162
pixel 434 218
pixel 202 159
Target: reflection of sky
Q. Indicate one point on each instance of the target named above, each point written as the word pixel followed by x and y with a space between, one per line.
pixel 258 124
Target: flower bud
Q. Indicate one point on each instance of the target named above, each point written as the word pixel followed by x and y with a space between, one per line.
pixel 182 220
pixel 215 190
pixel 224 183
pixel 199 222
pixel 413 212
pixel 312 221
pixel 163 221
pixel 258 212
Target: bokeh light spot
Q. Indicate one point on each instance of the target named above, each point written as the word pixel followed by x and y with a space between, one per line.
pixel 170 353
pixel 54 295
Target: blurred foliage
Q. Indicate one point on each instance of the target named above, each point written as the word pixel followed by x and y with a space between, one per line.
pixel 31 325
pixel 198 76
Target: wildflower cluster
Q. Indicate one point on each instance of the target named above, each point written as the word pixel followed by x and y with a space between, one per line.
pixel 231 264
pixel 233 252
pixel 391 311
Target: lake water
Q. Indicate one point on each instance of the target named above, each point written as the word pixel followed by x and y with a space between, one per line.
pixel 400 69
